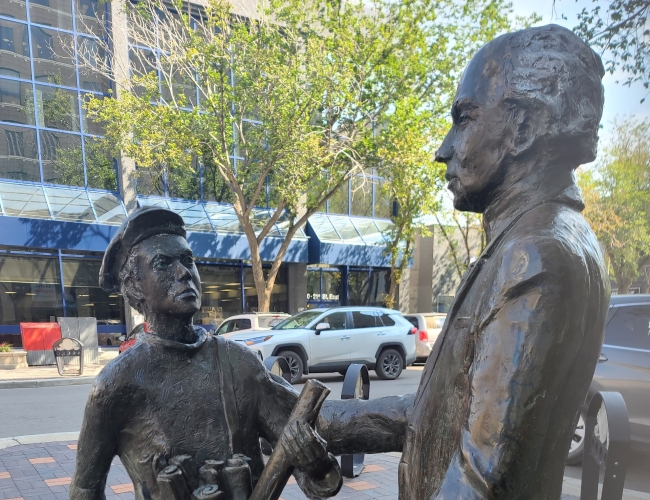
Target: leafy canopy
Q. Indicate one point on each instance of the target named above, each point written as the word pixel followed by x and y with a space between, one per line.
pixel 617 199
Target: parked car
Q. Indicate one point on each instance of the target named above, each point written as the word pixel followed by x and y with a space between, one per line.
pixel 108 339
pixel 329 340
pixel 624 367
pixel 250 321
pixel 129 340
pixel 429 326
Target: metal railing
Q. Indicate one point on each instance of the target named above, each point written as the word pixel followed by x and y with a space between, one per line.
pixel 356 385
pixel 607 442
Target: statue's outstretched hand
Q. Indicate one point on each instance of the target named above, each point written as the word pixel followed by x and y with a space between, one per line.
pixel 306 449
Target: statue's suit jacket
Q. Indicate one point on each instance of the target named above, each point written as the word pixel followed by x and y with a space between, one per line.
pixel 501 390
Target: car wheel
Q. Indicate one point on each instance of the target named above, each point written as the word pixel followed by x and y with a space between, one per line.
pixel 577 443
pixel 389 365
pixel 295 365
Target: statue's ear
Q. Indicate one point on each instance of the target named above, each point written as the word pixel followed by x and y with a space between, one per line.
pixel 131 290
pixel 527 131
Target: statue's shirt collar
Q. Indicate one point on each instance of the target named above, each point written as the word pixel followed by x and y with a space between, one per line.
pixel 532 191
pixel 201 337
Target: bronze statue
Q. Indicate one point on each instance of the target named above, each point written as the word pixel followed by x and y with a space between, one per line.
pixel 500 394
pixel 184 410
pixel 499 397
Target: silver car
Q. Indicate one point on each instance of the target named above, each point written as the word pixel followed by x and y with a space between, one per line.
pixel 624 367
pixel 429 326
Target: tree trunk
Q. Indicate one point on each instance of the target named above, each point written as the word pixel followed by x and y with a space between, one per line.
pixel 623 283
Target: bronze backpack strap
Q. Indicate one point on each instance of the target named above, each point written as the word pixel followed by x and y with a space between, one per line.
pixel 228 396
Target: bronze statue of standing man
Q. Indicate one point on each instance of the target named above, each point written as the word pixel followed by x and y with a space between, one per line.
pixel 499 397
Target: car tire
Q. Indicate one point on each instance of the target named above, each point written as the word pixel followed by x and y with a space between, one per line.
pixel 389 364
pixel 295 365
pixel 577 443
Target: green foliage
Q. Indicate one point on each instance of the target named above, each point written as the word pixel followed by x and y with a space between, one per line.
pixel 291 95
pixel 415 124
pixel 5 347
pixel 617 200
pixel 619 28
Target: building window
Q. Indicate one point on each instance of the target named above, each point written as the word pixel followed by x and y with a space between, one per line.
pixel 323 287
pixel 18 154
pixel 83 295
pixel 221 295
pixel 7 39
pixel 368 287
pixel 363 196
pixel 279 300
pixel 15 143
pixel 30 289
pixel 73 158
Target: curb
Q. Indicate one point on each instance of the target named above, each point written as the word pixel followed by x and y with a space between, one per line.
pixel 44 382
pixel 572 486
pixel 38 438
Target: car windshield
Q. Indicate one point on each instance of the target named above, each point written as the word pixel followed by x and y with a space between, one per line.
pixel 300 320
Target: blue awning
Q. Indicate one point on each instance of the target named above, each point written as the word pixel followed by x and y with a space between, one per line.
pixel 214 231
pixel 68 218
pixel 351 241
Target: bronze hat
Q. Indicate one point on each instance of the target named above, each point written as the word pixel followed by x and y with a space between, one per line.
pixel 138 226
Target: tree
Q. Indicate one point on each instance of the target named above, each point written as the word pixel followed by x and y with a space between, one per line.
pixel 617 200
pixel 285 97
pixel 407 162
pixel 620 29
pixel 416 124
pixel 468 225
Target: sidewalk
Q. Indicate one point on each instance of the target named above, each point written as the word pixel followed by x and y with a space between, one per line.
pixel 47 376
pixel 43 471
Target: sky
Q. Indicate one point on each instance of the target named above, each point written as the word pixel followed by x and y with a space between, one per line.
pixel 620 101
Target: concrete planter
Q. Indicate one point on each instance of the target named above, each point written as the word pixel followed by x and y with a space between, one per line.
pixel 13 359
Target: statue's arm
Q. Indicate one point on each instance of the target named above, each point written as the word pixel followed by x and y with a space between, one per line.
pixel 524 351
pixel 97 445
pixel 374 426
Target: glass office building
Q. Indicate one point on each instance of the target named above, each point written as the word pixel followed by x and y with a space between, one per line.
pixel 62 199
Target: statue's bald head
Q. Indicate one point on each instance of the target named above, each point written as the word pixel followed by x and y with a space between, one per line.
pixel 550 72
pixel 529 102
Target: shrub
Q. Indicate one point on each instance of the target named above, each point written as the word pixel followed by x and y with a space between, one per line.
pixel 5 347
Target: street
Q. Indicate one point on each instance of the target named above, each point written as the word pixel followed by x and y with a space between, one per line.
pixel 60 409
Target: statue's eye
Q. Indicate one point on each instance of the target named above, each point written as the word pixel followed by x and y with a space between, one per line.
pixel 162 263
pixel 187 261
pixel 464 118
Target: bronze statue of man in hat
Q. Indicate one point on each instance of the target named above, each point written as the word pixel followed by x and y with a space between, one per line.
pixel 181 403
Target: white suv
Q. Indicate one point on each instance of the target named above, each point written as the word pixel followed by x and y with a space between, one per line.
pixel 247 322
pixel 329 340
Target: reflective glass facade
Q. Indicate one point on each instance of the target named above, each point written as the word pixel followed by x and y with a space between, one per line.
pixel 363 196
pixel 60 200
pixel 44 134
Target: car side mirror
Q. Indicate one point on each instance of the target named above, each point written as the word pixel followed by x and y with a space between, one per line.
pixel 322 326
pixel 602 358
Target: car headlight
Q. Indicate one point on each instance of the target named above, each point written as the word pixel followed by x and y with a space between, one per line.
pixel 257 340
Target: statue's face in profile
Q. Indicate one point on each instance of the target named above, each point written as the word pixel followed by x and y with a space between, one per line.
pixel 168 278
pixel 478 146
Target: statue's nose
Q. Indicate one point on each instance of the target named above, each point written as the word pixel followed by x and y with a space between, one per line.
pixel 445 151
